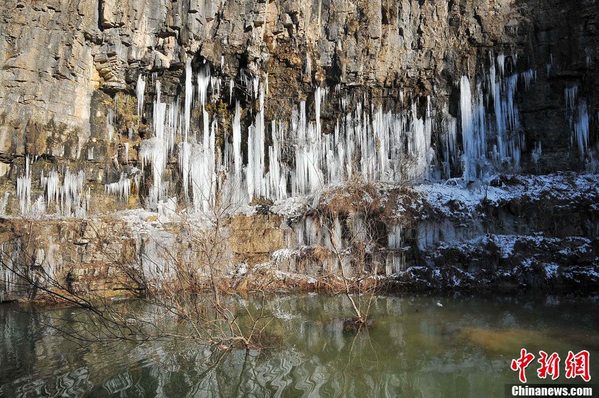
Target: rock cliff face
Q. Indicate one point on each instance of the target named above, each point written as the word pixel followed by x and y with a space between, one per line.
pixel 63 61
pixel 186 105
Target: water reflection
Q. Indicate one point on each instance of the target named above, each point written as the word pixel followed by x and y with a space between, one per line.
pixel 414 349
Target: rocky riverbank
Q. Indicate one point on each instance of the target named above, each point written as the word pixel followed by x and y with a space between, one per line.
pixel 516 233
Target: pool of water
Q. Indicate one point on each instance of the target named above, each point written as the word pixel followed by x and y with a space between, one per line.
pixel 416 347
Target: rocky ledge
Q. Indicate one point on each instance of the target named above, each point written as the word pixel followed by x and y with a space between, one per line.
pixel 514 233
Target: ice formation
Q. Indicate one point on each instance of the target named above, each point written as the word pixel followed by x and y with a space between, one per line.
pixel 68 196
pixel 395 261
pixel 277 159
pixel 472 135
pixel 24 189
pixel 156 150
pixel 578 114
pixel 110 124
pixel 581 129
pixel 492 135
pixel 394 238
pixel 296 157
pixel 140 90
pixel 4 203
pixel 121 188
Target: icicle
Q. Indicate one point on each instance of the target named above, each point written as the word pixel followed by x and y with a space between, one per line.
pixel 110 124
pixel 581 129
pixel 255 84
pixel 501 64
pixel 184 149
pixel 337 233
pixel 198 163
pixel 184 165
pixel 395 261
pixel 577 112
pixel 277 174
pixel 255 168
pixel 215 85
pixel 536 153
pixel 53 189
pixel 73 204
pixel 507 120
pixel 570 94
pixel 121 188
pixel 318 98
pixel 469 136
pixel 266 85
pixel 140 90
pixel 450 143
pixel 308 68
pixel 421 132
pixel 203 82
pixel 203 179
pixel 4 203
pixel 8 278
pixel 528 76
pixel 550 66
pixel 68 196
pixel 309 232
pixel 126 145
pixel 188 98
pixel 38 208
pixel 24 189
pixel 156 149
pixel 308 174
pixel 367 141
pixel 394 240
pixel 237 159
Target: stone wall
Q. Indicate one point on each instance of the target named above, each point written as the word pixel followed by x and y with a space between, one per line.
pixel 516 234
pixel 63 64
pixel 105 255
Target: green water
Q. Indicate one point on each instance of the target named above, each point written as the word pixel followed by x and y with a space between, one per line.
pixel 415 348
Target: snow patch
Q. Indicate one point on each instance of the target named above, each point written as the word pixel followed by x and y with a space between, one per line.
pixel 551 270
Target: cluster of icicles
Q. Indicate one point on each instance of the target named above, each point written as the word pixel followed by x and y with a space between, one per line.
pixel 300 157
pixel 366 141
pixel 65 194
pixel 578 114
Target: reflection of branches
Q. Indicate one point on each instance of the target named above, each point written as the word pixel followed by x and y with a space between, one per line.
pixel 241 372
pixel 32 275
pixel 360 319
pixel 357 243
